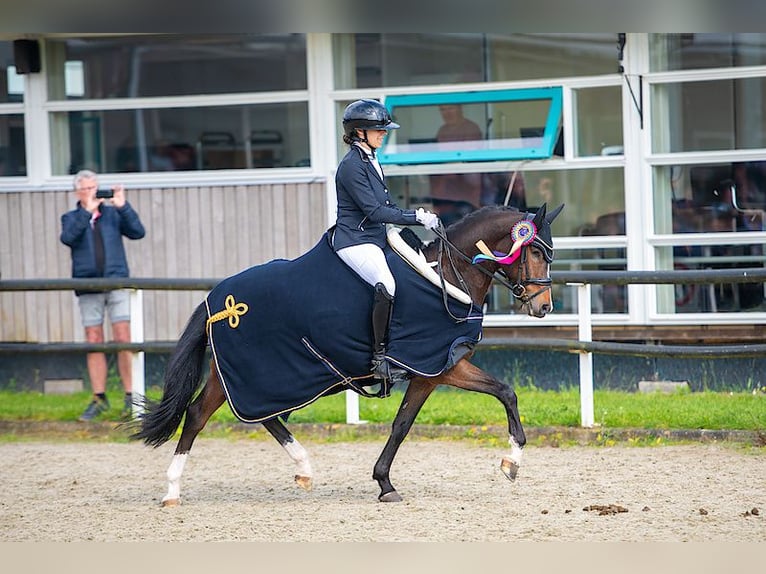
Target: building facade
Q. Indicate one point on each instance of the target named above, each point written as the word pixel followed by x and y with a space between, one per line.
pixel 227 145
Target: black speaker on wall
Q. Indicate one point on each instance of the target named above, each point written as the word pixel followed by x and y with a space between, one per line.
pixel 26 56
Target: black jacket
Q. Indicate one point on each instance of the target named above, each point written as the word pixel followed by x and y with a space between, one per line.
pixel 364 204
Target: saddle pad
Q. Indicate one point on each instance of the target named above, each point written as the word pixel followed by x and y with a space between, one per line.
pixel 285 333
pixel 418 262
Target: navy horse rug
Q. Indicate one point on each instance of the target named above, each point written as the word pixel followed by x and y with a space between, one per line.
pixel 287 332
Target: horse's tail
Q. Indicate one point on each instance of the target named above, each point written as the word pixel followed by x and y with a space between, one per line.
pixel 182 378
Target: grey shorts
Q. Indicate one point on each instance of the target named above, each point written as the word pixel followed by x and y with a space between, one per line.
pixel 93 305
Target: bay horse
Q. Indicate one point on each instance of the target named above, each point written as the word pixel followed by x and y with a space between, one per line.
pixel 471 253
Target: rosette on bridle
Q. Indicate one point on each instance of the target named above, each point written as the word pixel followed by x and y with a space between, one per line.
pixel 522 233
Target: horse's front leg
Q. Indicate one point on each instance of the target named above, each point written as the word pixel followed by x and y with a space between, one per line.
pixel 417 393
pixel 471 378
pixel 305 475
pixel 197 415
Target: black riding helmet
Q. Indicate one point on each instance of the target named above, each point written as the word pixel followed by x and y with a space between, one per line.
pixel 366 115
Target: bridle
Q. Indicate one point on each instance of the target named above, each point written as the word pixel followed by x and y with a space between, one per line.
pixel 518 288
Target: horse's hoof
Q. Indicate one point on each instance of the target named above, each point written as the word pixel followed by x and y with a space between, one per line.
pixel 305 482
pixel 510 469
pixel 392 496
pixel 170 502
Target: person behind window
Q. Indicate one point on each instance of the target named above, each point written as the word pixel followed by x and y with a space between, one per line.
pixel 456 195
pixel 94 230
pixel 364 209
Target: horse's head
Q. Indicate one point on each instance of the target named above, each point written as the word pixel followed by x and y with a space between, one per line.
pixel 517 246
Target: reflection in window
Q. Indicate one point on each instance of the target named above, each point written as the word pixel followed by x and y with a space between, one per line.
pixel 181 139
pixel 176 65
pixel 594 198
pixel 687 124
pixel 691 51
pixel 710 198
pixel 13 156
pixel 719 297
pixel 11 83
pixel 706 198
pixel 598 117
pixel 382 60
pixel 604 298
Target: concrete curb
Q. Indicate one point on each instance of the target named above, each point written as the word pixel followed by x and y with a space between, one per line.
pixel 552 436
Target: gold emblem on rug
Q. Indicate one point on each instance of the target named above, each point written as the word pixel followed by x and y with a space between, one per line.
pixel 233 312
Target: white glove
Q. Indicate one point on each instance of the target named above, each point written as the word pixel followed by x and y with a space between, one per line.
pixel 426 218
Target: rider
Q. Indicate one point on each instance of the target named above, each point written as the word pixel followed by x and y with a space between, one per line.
pixel 364 209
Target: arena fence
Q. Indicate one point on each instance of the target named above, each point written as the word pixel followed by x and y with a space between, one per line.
pixel 585 346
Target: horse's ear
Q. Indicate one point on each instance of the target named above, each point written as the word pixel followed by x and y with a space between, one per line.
pixel 540 216
pixel 553 214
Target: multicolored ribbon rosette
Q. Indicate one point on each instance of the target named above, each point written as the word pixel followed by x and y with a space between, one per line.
pixel 522 233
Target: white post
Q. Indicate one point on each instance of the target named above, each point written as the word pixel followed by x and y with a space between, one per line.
pixel 352 408
pixel 586 357
pixel 137 336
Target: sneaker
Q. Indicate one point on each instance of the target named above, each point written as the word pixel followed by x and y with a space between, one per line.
pixel 127 408
pixel 95 408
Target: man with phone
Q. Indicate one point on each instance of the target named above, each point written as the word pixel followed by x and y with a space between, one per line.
pixel 94 230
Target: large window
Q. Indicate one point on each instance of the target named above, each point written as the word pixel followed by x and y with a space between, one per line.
pixel 439 157
pixel 717 202
pixel 695 50
pixel 182 139
pixel 594 208
pixel 594 198
pixel 709 115
pixel 12 136
pixel 13 160
pixel 598 121
pixel 159 103
pixel 383 60
pixel 709 207
pixel 175 65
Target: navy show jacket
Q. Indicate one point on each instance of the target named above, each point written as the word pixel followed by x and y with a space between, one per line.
pixel 364 204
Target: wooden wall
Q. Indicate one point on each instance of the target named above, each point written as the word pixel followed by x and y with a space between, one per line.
pixel 195 232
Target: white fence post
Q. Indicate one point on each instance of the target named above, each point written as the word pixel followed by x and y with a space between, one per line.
pixel 352 408
pixel 586 357
pixel 137 336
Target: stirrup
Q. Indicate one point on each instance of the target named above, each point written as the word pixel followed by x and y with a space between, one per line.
pixel 385 371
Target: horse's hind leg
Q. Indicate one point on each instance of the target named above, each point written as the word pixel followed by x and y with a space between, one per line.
pixel 197 415
pixel 304 475
pixel 417 393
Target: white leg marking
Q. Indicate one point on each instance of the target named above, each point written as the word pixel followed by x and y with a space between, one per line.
pixel 301 458
pixel 175 470
pixel 516 451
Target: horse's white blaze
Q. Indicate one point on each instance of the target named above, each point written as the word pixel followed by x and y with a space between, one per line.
pixel 516 451
pixel 175 470
pixel 300 457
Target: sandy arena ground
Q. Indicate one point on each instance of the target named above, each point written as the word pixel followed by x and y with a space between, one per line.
pixel 453 491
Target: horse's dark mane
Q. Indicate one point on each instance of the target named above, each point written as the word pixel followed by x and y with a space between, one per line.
pixel 457 229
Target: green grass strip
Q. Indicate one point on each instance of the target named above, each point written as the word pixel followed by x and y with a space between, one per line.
pixel 538 408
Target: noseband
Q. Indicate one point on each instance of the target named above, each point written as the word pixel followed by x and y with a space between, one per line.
pixel 519 288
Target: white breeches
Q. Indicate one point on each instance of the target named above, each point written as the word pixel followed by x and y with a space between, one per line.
pixel 369 262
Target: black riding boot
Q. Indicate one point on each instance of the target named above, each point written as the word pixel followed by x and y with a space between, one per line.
pixel 382 310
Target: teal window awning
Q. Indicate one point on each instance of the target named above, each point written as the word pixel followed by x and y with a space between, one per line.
pixel 473 126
